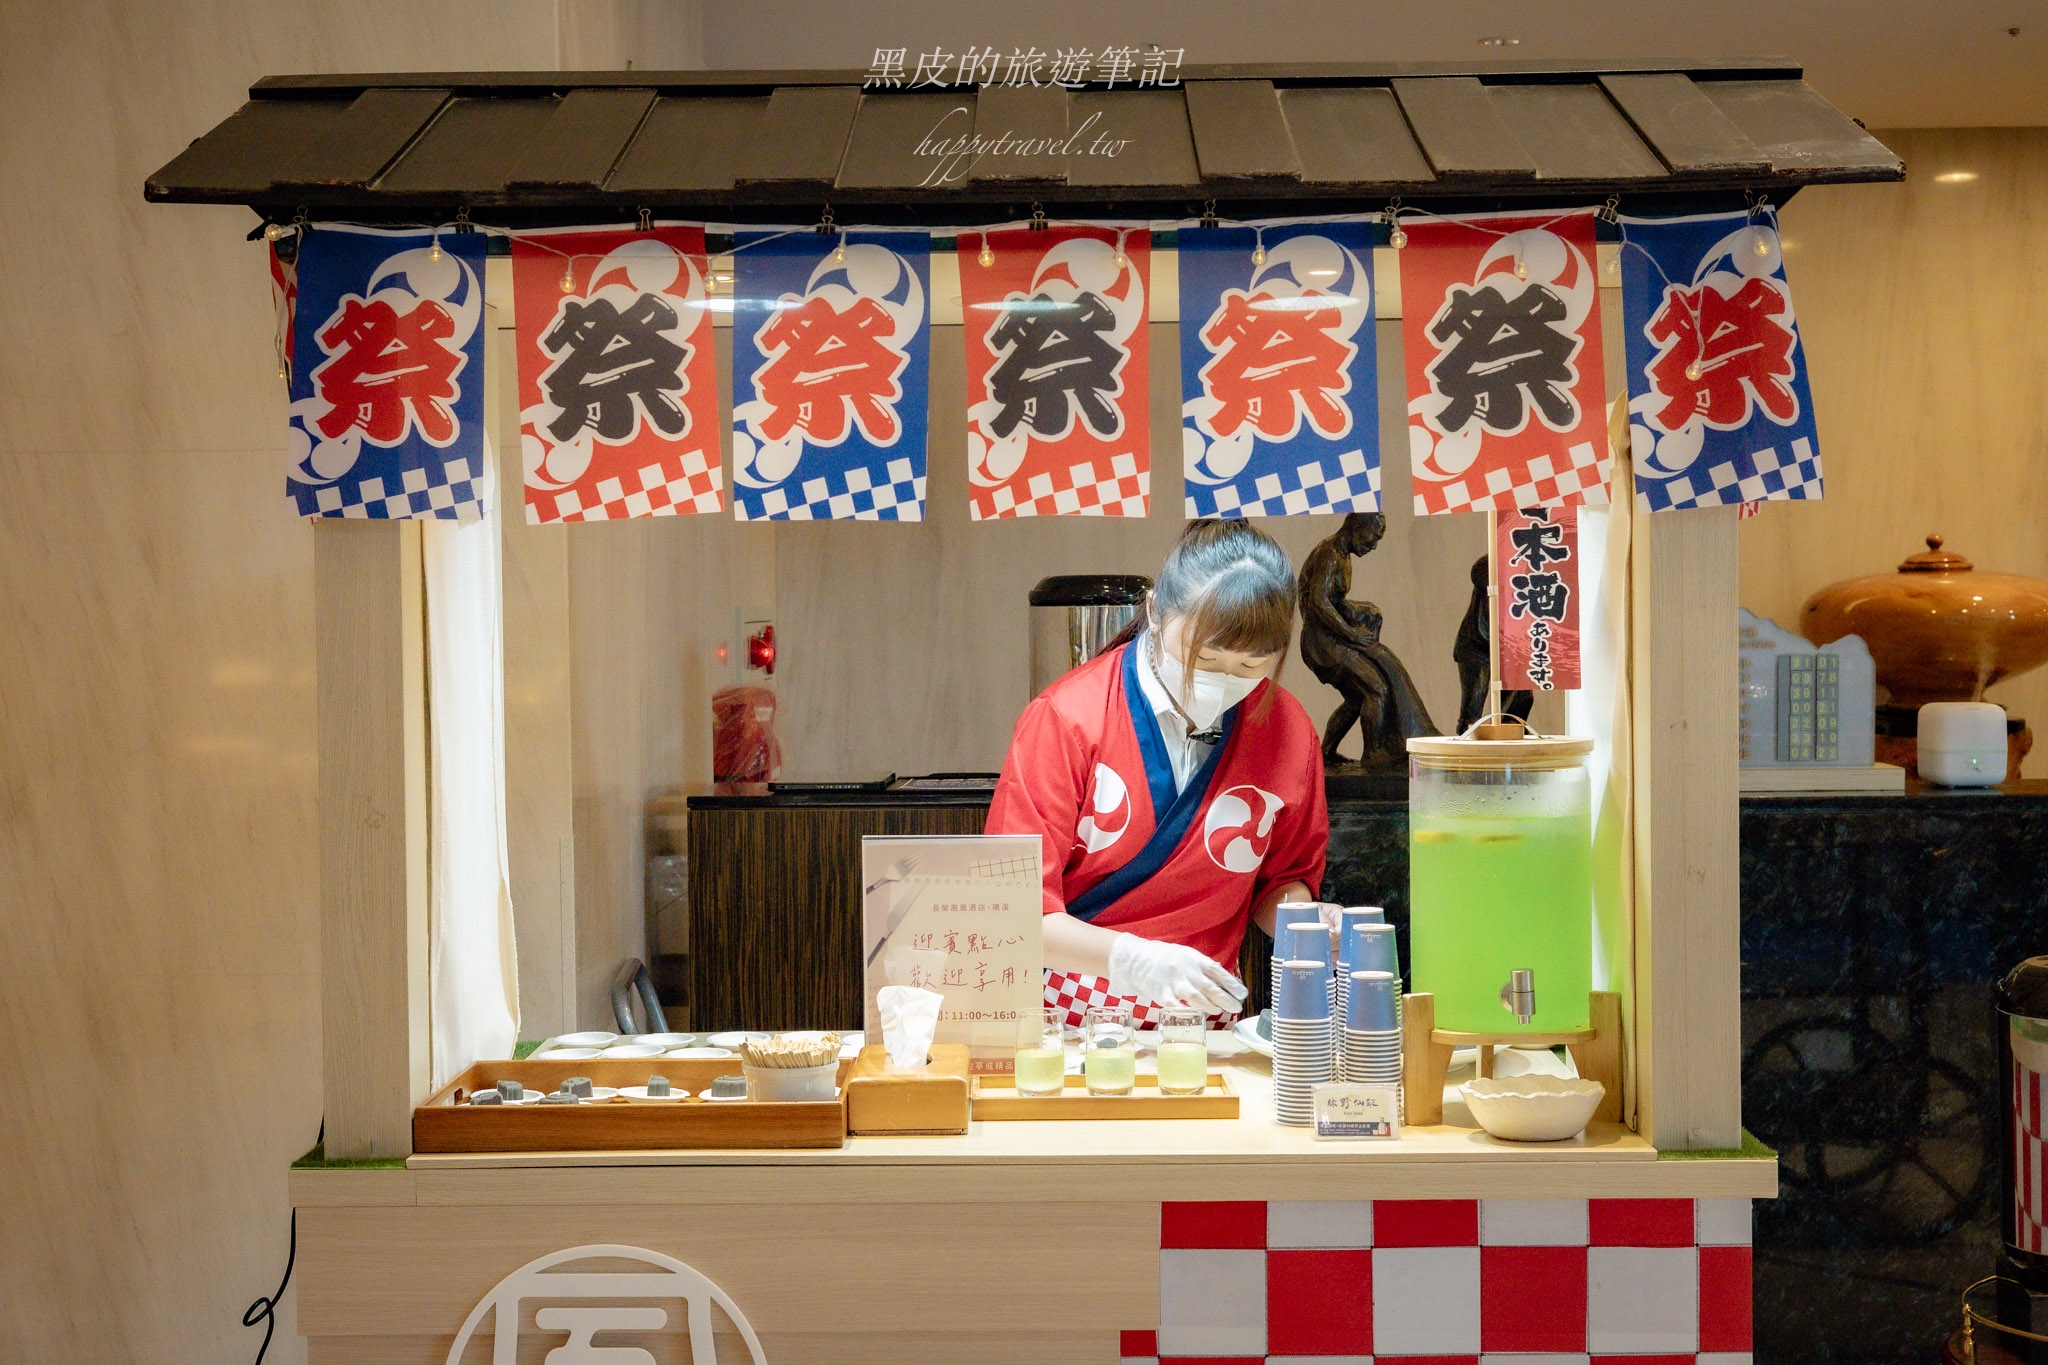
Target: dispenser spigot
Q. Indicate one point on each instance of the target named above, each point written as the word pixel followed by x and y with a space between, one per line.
pixel 1518 997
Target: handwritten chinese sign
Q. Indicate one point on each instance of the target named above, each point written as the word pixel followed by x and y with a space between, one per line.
pixel 1719 409
pixel 1501 336
pixel 1537 553
pixel 1279 372
pixel 960 916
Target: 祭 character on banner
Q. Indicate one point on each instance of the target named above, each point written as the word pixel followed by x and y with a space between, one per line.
pixel 1279 401
pixel 1056 377
pixel 1501 330
pixel 831 362
pixel 387 375
pixel 618 400
pixel 1719 410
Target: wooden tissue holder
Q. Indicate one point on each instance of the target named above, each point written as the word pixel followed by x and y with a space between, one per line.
pixel 1426 1054
pixel 933 1100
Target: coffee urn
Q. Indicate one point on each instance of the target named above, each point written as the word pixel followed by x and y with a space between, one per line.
pixel 1075 616
pixel 2022 1024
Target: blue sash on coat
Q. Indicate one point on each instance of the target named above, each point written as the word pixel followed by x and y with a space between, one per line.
pixel 1172 815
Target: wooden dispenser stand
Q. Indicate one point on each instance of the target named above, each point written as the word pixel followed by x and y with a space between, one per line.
pixel 1426 1054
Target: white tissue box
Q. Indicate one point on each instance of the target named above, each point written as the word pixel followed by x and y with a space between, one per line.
pixel 932 1100
pixel 1962 743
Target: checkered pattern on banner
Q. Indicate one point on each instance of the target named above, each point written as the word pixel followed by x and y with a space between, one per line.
pixel 1077 993
pixel 1354 487
pixel 1582 480
pixel 1083 490
pixel 2030 1155
pixel 851 495
pixel 448 492
pixel 685 484
pixel 1480 1282
pixel 1762 476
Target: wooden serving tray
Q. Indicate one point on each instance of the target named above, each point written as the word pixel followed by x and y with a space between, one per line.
pixel 446 1123
pixel 996 1097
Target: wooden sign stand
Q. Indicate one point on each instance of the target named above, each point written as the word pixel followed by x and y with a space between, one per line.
pixel 1426 1054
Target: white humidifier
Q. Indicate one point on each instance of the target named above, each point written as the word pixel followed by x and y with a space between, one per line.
pixel 1962 743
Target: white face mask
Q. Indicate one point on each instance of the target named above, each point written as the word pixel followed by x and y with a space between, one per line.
pixel 1211 694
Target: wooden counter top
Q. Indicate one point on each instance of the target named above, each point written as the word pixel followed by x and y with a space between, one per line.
pixel 1248 1158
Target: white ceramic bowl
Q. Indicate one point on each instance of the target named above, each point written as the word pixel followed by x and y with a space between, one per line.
pixel 566 1054
pixel 663 1040
pixel 597 1039
pixel 1533 1108
pixel 632 1050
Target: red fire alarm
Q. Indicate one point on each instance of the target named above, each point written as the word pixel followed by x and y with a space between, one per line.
pixel 761 650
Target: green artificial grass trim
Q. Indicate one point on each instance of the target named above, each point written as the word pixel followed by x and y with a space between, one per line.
pixel 316 1159
pixel 525 1047
pixel 1751 1149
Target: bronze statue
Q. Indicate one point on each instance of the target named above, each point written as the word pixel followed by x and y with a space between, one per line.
pixel 1340 643
pixel 1472 651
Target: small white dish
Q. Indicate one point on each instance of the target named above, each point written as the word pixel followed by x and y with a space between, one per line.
pixel 1246 1031
pixel 663 1040
pixel 602 1092
pixel 705 1054
pixel 735 1038
pixel 567 1054
pixel 632 1050
pixel 1532 1108
pixel 722 1099
pixel 594 1039
pixel 638 1095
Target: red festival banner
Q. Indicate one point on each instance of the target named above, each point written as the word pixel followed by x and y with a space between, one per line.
pixel 1056 371
pixel 1501 333
pixel 1537 554
pixel 618 395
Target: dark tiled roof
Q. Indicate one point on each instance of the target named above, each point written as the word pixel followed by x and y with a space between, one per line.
pixel 534 144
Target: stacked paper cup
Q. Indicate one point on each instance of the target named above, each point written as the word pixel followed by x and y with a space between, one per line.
pixel 1286 917
pixel 1360 914
pixel 1369 947
pixel 1304 1039
pixel 1372 1032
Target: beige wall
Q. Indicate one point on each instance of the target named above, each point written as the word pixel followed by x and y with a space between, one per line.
pixel 1921 306
pixel 159 933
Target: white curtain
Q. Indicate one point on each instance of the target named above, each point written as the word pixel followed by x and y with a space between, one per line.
pixel 474 966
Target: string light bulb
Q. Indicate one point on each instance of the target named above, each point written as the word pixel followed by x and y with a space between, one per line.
pixel 839 252
pixel 568 275
pixel 1613 265
pixel 1397 239
pixel 1693 371
pixel 1121 259
pixel 434 253
pixel 1259 248
pixel 1759 243
pixel 987 257
pixel 273 231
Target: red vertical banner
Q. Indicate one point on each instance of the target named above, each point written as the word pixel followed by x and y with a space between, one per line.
pixel 1536 554
pixel 1055 326
pixel 1500 331
pixel 618 394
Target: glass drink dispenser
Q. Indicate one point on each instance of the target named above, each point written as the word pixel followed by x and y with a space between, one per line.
pixel 1500 881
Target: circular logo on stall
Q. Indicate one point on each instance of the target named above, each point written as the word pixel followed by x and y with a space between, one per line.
pixel 585 1300
pixel 1109 811
pixel 1240 827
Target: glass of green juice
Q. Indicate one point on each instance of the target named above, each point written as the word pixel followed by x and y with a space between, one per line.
pixel 1183 1052
pixel 1042 1063
pixel 1500 879
pixel 1109 1060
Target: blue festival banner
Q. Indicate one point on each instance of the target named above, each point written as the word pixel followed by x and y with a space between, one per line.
pixel 387 393
pixel 1279 370
pixel 831 351
pixel 1719 409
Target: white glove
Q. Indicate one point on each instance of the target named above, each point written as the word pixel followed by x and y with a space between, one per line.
pixel 1171 974
pixel 1332 917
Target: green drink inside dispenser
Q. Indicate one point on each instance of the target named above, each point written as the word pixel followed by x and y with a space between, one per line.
pixel 1500 880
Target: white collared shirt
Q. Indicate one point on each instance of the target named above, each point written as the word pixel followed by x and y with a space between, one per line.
pixel 1184 753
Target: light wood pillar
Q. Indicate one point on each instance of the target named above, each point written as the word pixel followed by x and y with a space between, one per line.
pixel 370 627
pixel 1684 590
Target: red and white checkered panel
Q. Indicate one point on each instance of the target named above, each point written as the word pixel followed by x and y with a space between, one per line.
pixel 685 483
pixel 1077 993
pixel 1583 479
pixel 1084 490
pixel 1432 1282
